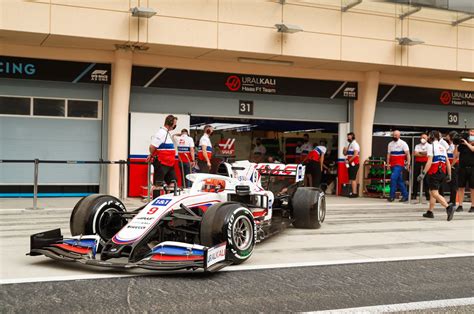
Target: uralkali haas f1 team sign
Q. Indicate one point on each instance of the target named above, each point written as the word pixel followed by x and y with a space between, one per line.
pixel 242 83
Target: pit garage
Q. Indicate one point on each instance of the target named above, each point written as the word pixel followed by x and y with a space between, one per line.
pixel 242 108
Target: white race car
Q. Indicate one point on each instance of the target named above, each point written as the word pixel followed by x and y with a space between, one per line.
pixel 215 223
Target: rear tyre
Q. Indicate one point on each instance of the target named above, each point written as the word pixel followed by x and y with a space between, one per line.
pixel 309 208
pixel 232 223
pixel 97 214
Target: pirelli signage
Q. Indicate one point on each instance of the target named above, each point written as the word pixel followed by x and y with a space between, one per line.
pixel 242 83
pixel 54 70
pixel 417 95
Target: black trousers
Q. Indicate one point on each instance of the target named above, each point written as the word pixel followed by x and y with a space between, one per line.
pixel 453 185
pixel 314 169
pixel 419 166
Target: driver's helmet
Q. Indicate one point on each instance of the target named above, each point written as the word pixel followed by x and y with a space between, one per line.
pixel 213 185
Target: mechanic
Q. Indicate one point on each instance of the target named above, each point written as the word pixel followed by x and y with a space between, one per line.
pixel 437 166
pixel 398 157
pixel 314 166
pixel 162 155
pixel 352 152
pixel 185 154
pixel 306 147
pixel 298 152
pixel 205 150
pixel 259 151
pixel 453 156
pixel 466 168
pixel 421 157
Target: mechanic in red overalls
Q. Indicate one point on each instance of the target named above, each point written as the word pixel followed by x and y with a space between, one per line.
pixel 205 150
pixel 162 155
pixel 438 169
pixel 421 157
pixel 314 166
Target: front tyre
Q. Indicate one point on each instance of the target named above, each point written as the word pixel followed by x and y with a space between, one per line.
pixel 232 223
pixel 309 208
pixel 97 214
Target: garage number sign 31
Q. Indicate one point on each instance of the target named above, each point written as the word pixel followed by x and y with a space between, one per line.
pixel 246 107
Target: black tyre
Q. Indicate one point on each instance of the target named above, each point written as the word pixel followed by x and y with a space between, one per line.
pixel 97 214
pixel 309 208
pixel 232 223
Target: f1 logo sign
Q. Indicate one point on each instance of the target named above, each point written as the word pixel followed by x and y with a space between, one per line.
pixel 227 146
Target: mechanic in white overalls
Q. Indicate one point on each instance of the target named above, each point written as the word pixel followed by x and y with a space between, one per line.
pixel 306 148
pixel 205 150
pixel 185 145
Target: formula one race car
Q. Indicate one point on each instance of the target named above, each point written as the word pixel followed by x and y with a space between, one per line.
pixel 215 223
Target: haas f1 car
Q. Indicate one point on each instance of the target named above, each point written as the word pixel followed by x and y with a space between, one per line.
pixel 215 223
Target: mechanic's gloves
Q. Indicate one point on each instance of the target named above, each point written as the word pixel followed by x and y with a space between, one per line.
pixel 448 178
pixel 421 176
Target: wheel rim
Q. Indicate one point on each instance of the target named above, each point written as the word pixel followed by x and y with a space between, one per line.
pixel 242 234
pixel 321 209
pixel 109 223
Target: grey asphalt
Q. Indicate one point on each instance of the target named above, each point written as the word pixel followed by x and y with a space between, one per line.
pixel 271 290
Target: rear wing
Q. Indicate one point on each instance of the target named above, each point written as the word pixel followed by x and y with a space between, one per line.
pixel 292 170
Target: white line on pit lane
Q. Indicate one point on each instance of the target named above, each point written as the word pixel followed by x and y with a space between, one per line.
pixel 403 307
pixel 344 262
pixel 235 268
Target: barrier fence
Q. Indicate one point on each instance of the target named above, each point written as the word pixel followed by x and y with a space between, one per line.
pixel 121 164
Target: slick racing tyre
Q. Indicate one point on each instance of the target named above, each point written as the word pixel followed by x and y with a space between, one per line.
pixel 97 214
pixel 309 208
pixel 232 223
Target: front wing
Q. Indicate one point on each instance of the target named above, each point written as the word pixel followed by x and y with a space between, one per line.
pixel 164 256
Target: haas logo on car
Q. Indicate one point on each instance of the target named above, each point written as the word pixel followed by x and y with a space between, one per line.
pixel 277 169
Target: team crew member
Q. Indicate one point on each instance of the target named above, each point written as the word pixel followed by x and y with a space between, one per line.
pixel 437 167
pixel 421 157
pixel 162 155
pixel 185 154
pixel 306 148
pixel 259 151
pixel 453 156
pixel 352 152
pixel 466 168
pixel 205 150
pixel 298 152
pixel 314 165
pixel 398 155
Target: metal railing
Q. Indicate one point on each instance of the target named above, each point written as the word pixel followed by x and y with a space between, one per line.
pixel 121 163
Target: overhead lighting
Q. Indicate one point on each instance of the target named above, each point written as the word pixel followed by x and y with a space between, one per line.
pixel 288 28
pixel 406 41
pixel 264 61
pixel 142 12
pixel 467 79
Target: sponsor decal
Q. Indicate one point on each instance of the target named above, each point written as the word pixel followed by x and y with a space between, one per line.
pixel 21 68
pixel 277 169
pixel 161 202
pixel 457 98
pixel 227 146
pixel 216 254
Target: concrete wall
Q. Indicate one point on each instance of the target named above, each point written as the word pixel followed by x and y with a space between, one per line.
pixel 223 29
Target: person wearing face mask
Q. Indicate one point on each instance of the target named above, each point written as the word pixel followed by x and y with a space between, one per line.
pixel 438 169
pixel 185 154
pixel 162 156
pixel 352 152
pixel 421 157
pixel 306 148
pixel 466 168
pixel 398 157
pixel 259 151
pixel 205 150
pixel 298 152
pixel 453 156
